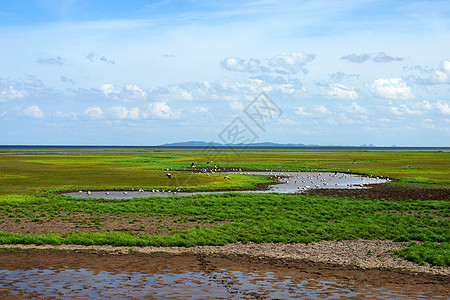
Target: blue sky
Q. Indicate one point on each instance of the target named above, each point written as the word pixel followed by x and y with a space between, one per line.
pixel 76 72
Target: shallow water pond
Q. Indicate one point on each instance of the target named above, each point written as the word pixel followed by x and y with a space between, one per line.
pixel 288 183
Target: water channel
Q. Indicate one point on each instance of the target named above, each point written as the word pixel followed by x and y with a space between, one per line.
pixel 288 183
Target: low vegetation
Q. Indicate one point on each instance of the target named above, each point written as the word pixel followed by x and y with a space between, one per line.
pixel 28 183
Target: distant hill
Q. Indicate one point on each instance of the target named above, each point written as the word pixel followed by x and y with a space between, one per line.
pixel 202 144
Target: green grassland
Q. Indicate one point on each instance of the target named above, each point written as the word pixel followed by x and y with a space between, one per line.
pixel 28 183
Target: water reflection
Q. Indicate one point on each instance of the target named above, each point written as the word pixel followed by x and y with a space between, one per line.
pixel 178 277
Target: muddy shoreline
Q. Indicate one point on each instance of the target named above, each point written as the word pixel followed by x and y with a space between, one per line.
pixel 353 254
pixel 74 274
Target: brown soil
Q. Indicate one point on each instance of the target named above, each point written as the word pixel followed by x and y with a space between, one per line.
pixel 84 222
pixel 354 254
pixel 387 192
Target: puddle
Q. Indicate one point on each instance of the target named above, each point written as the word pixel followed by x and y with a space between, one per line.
pixel 60 274
pixel 289 183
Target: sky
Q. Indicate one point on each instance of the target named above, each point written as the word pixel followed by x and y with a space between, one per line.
pixel 110 72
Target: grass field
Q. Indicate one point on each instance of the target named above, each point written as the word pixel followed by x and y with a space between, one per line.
pixel 28 182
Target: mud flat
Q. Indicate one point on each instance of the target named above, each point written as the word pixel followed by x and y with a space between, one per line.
pixel 251 271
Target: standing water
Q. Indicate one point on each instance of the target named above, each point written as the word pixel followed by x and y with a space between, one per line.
pixel 288 183
pixel 68 275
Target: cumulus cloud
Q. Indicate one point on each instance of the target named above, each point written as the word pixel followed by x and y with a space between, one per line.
pixel 283 63
pixel 134 91
pixel 302 111
pixel 202 114
pixel 94 57
pixel 391 88
pixel 109 89
pixel 121 112
pixel 162 111
pixel 419 108
pixel 380 57
pixel 430 76
pixel 315 111
pixel 442 75
pixel 339 91
pixel 51 61
pixel 94 112
pixel 443 107
pixel 403 109
pixel 33 111
pixel 355 108
pixel 10 92
pixel 291 63
pixel 127 93
pixel 240 65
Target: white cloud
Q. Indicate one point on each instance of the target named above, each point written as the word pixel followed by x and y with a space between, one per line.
pixel 391 88
pixel 287 122
pixel 443 74
pixel 10 92
pixel 127 93
pixel 202 113
pixel 162 110
pixel 321 109
pixel 134 91
pixel 301 111
pixel 419 108
pixel 282 63
pixel 443 107
pixel 428 123
pixel 291 63
pixel 316 111
pixel 94 112
pixel 430 76
pixel 236 105
pixel 380 57
pixel 340 91
pixel 240 65
pixel 121 112
pixel 33 111
pixel 109 89
pixel 355 108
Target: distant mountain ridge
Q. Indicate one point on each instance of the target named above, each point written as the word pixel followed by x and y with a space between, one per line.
pixel 202 144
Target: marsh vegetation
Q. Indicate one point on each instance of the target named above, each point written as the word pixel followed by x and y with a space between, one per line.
pixel 32 211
